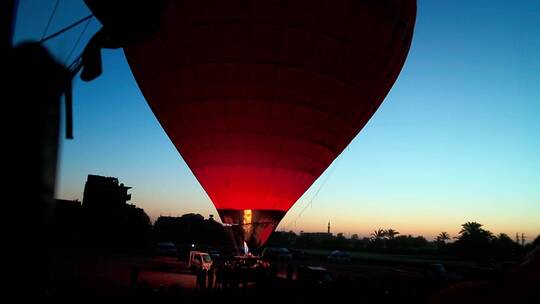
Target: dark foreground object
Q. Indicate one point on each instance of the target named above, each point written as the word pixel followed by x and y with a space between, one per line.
pixel 106 276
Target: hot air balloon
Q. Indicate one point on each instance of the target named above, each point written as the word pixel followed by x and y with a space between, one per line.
pixel 259 97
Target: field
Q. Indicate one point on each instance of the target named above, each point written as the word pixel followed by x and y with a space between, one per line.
pixel 374 277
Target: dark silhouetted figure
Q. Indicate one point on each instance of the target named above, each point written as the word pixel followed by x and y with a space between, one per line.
pixel 201 279
pixel 134 276
pixel 211 274
pixel 243 272
pixel 290 271
pixel 219 278
pixel 273 269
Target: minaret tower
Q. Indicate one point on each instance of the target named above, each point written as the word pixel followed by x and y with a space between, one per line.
pixel 328 227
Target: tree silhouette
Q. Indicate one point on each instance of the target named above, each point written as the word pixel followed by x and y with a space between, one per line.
pixel 378 239
pixel 474 241
pixel 536 242
pixel 391 233
pixel 378 234
pixel 443 237
pixel 474 229
pixel 504 248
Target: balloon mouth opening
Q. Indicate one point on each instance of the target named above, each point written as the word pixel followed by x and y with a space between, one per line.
pixel 249 229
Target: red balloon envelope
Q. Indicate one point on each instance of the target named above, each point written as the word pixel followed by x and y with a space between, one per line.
pixel 259 97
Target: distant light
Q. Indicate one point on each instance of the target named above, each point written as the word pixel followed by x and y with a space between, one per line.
pixel 192 245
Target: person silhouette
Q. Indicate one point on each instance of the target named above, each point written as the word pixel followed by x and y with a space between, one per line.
pixel 201 279
pixel 219 278
pixel 134 276
pixel 290 271
pixel 211 273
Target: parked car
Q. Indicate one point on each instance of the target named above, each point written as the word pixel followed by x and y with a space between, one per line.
pixel 199 260
pixel 297 254
pixel 214 254
pixel 166 249
pixel 314 275
pixel 276 254
pixel 339 257
pixel 436 272
pixel 165 256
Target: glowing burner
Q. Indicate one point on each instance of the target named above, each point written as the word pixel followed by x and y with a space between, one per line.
pixel 253 226
pixel 247 217
pixel 246 248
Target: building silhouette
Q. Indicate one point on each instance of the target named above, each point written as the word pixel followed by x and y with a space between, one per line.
pixel 103 220
pixel 105 193
pixel 319 236
pixel 191 229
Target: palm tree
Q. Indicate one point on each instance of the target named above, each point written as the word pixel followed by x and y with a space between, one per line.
pixel 475 230
pixel 443 237
pixel 378 238
pixel 474 241
pixel 391 233
pixel 378 234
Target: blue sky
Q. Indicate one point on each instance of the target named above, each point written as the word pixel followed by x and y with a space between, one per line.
pixel 457 139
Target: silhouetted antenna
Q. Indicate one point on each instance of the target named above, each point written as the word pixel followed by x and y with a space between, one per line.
pixel 517 237
pixel 522 239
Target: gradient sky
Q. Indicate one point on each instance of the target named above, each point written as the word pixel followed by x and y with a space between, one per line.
pixel 457 139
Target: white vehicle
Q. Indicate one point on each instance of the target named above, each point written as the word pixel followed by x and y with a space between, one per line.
pixel 199 260
pixel 339 257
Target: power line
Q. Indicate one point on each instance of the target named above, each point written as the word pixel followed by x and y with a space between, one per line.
pixel 523 238
pixel 50 19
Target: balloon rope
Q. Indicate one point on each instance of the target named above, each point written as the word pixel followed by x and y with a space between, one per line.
pixel 67 28
pixel 50 19
pixel 310 203
pixel 78 40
